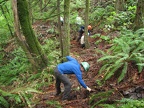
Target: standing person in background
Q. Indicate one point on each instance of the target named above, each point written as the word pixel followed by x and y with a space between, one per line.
pixel 89 29
pixel 79 21
pixel 61 20
pixel 82 42
pixel 81 31
pixel 72 66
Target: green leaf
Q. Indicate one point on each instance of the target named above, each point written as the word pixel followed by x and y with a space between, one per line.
pixel 106 58
pixel 122 59
pixel 107 106
pixel 124 71
pixel 103 68
pixel 25 89
pixel 4 102
pixel 111 72
pixel 98 102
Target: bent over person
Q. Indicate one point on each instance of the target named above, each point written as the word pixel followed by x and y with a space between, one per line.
pixel 72 66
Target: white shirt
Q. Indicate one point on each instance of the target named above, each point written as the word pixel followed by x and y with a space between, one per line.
pixel 82 40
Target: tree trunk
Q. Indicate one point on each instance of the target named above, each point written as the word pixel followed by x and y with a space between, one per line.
pixel 66 38
pixel 30 11
pixel 138 22
pixel 59 28
pixel 40 4
pixel 33 44
pixel 86 23
pixel 119 6
pixel 19 37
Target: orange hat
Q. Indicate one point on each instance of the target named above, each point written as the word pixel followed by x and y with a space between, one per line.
pixel 89 27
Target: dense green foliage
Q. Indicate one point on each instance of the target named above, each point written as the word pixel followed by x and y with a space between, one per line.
pixel 126 48
pixel 18 83
pixel 125 103
pixel 99 98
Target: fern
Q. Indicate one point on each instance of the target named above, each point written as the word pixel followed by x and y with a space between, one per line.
pixel 54 104
pixel 100 97
pixel 111 72
pixel 102 100
pixel 106 58
pixel 4 102
pixel 125 103
pixel 124 71
pixel 130 103
pixel 107 106
pixel 124 50
pixel 103 68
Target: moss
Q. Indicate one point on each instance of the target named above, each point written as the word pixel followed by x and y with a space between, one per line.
pixel 33 44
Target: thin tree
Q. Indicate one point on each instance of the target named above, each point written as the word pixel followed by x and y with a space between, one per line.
pixel 34 46
pixel 119 5
pixel 86 23
pixel 138 22
pixel 59 28
pixel 19 37
pixel 66 37
pixel 6 20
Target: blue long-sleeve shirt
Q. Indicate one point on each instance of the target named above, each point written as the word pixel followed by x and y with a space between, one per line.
pixel 72 67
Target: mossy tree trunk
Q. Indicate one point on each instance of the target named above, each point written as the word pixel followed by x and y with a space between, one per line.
pixel 66 37
pixel 59 28
pixel 19 37
pixel 86 23
pixel 33 44
pixel 138 22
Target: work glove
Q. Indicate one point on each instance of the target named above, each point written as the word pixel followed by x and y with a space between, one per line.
pixel 89 89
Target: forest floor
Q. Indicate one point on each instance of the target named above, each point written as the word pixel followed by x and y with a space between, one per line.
pixel 132 86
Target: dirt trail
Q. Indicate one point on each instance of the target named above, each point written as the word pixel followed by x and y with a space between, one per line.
pixel 79 96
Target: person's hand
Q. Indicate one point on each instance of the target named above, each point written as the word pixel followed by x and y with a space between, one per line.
pixel 89 89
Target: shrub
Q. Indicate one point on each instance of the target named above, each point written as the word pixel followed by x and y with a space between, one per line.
pixel 128 47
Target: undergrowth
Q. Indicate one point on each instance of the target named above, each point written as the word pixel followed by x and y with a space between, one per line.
pixel 125 103
pixel 127 48
pixel 18 83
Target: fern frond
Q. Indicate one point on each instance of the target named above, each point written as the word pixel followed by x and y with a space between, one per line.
pixel 122 59
pixel 34 76
pixel 3 102
pixel 4 93
pixel 25 89
pixel 138 48
pixel 98 102
pixel 123 45
pixel 106 58
pixel 124 71
pixel 141 64
pixel 140 31
pixel 27 100
pixel 103 68
pixel 107 106
pixel 100 95
pixel 101 52
pixel 111 72
pixel 140 67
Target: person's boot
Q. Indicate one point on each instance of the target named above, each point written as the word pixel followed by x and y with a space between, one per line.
pixel 66 98
pixel 57 93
